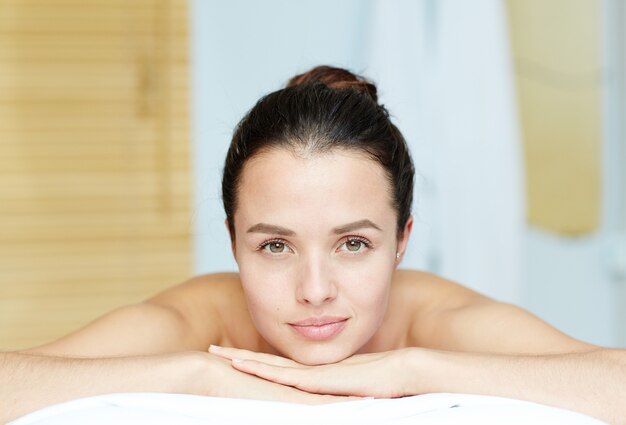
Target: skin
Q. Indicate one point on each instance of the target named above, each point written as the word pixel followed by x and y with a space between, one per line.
pixel 316 271
pixel 408 332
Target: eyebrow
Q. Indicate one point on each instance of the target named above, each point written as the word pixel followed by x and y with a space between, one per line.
pixel 282 231
pixel 270 228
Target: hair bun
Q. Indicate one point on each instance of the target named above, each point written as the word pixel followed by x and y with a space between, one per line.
pixel 335 78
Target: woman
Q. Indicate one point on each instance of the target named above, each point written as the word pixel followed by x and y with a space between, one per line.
pixel 317 190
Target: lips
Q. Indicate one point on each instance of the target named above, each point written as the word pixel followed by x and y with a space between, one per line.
pixel 319 328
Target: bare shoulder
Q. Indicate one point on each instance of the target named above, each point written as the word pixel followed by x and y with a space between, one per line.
pixel 203 302
pixel 433 292
pixel 196 291
pixel 183 317
pixel 450 316
pixel 428 295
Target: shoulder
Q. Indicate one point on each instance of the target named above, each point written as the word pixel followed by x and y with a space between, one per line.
pixel 434 292
pixel 202 302
pixel 428 295
pixel 202 290
pixel 449 316
pixel 183 317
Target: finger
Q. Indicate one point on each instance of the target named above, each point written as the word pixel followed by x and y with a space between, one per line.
pixel 312 379
pixel 331 380
pixel 231 353
pixel 275 373
pixel 315 399
pixel 358 359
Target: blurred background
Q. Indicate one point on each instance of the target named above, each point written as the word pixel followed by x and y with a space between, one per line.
pixel 115 117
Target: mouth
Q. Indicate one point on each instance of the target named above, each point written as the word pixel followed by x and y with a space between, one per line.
pixel 319 328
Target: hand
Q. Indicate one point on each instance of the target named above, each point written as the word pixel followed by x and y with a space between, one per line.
pixel 382 375
pixel 214 376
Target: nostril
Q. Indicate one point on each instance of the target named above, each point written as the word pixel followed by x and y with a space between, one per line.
pixel 315 293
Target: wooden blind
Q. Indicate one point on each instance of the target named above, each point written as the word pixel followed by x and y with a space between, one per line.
pixel 94 160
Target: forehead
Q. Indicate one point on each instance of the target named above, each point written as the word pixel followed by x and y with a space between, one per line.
pixel 283 188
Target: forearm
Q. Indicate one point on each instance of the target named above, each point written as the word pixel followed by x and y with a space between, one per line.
pixel 592 382
pixel 29 382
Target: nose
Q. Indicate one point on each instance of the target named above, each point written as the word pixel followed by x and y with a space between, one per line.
pixel 315 286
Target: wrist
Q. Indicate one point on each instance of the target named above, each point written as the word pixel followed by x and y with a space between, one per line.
pixel 186 373
pixel 427 371
pixel 415 365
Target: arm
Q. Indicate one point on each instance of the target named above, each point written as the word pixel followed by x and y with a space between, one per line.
pixel 156 346
pixel 464 342
pixel 124 350
pixel 590 382
pixel 492 348
pixel 29 382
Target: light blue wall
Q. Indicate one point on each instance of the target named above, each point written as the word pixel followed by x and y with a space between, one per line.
pixel 240 51
pixel 566 284
pixel 243 49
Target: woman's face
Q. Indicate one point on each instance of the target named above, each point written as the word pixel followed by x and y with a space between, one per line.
pixel 316 248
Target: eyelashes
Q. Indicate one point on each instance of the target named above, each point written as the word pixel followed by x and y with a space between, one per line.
pixel 271 242
pixel 281 245
pixel 359 239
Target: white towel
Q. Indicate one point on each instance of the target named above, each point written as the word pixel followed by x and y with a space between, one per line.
pixel 429 409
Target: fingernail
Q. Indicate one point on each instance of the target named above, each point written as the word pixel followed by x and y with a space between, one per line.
pixel 237 360
pixel 214 347
pixel 369 398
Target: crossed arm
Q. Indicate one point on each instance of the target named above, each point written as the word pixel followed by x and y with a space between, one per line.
pixel 591 382
pixel 588 382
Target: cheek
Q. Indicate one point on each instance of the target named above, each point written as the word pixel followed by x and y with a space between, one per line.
pixel 265 293
pixel 370 291
pixel 371 296
pixel 367 296
pixel 368 280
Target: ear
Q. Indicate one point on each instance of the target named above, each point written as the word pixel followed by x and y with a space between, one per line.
pixel 404 242
pixel 232 240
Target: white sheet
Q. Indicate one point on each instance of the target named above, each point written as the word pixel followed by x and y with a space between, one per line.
pixel 429 409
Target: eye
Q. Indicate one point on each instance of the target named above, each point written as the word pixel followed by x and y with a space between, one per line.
pixel 275 246
pixel 353 245
pixel 356 244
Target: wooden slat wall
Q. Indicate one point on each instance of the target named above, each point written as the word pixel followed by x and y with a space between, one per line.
pixel 94 160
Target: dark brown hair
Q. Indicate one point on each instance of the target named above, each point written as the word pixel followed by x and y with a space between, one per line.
pixel 323 109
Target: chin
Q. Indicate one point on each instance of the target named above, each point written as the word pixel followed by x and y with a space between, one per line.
pixel 319 355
